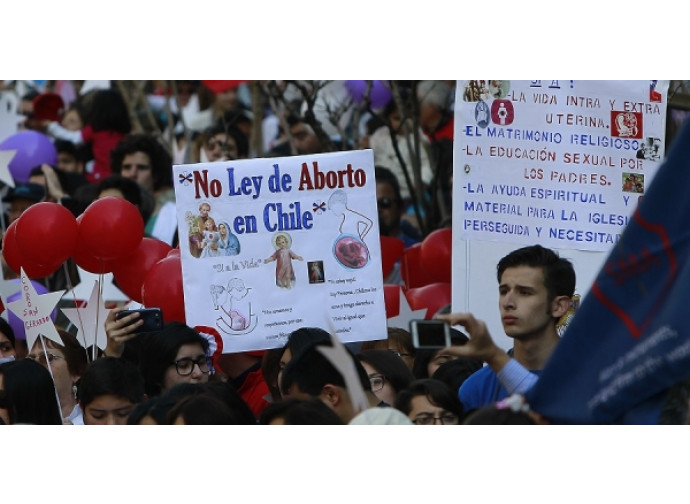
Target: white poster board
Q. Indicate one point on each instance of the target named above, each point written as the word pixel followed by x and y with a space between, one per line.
pixel 558 163
pixel 303 248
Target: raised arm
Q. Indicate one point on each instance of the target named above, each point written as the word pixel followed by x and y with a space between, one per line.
pixel 512 375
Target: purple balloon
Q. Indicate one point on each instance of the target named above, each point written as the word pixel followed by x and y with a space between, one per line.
pixel 15 322
pixel 33 149
pixel 380 95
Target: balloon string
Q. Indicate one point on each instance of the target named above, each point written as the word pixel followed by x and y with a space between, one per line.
pixel 80 329
pixel 98 311
pixel 50 370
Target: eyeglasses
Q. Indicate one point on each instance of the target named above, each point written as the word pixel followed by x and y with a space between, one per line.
pixel 445 419
pixel 377 381
pixel 385 202
pixel 43 357
pixel 185 366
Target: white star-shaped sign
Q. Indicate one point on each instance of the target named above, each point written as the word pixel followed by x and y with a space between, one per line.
pixel 90 321
pixel 35 310
pixel 402 319
pixel 83 290
pixel 9 118
pixel 5 160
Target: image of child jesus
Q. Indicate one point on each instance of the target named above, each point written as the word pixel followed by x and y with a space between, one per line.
pixel 285 274
pixel 209 244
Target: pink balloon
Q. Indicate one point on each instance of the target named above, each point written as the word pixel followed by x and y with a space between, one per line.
pixel 33 149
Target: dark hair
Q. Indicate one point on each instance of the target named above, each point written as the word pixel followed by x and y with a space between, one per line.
pixel 398 335
pixel 161 160
pixel 295 411
pixel 491 415
pixel 559 275
pixel 150 407
pixel 128 187
pixel 675 409
pixel 241 412
pixel 424 355
pixel 6 329
pixel 201 409
pixel 436 391
pixel 158 406
pixel 384 175
pixel 303 337
pixel 75 354
pixel 235 410
pixel 455 372
pixel 79 152
pixel 270 368
pixel 310 370
pixel 108 112
pixel 110 376
pixel 29 393
pixel 390 365
pixel 159 349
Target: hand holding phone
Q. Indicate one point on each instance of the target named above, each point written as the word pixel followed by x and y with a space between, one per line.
pixel 430 334
pixel 152 319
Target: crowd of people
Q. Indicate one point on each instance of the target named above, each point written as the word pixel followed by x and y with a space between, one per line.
pixel 169 377
pixel 107 145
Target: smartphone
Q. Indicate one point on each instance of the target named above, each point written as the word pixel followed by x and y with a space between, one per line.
pixel 152 317
pixel 430 334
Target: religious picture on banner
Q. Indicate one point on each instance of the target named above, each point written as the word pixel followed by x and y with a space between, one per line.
pixel 560 163
pixel 281 243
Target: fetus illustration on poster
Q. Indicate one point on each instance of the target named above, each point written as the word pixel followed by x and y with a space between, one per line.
pixel 349 248
pixel 233 302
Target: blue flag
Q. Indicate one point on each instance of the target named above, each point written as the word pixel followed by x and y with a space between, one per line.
pixel 629 342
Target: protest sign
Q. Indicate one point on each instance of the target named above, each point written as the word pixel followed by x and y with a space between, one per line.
pixel 628 342
pixel 271 245
pixel 561 163
pixel 558 163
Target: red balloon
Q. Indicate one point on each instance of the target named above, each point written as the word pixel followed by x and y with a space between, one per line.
pixel 162 288
pixel 16 260
pixel 436 255
pixel 391 250
pixel 411 269
pixel 111 228
pixel 433 297
pixel 85 260
pixel 391 295
pixel 174 252
pixel 129 272
pixel 46 233
pixel 221 86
